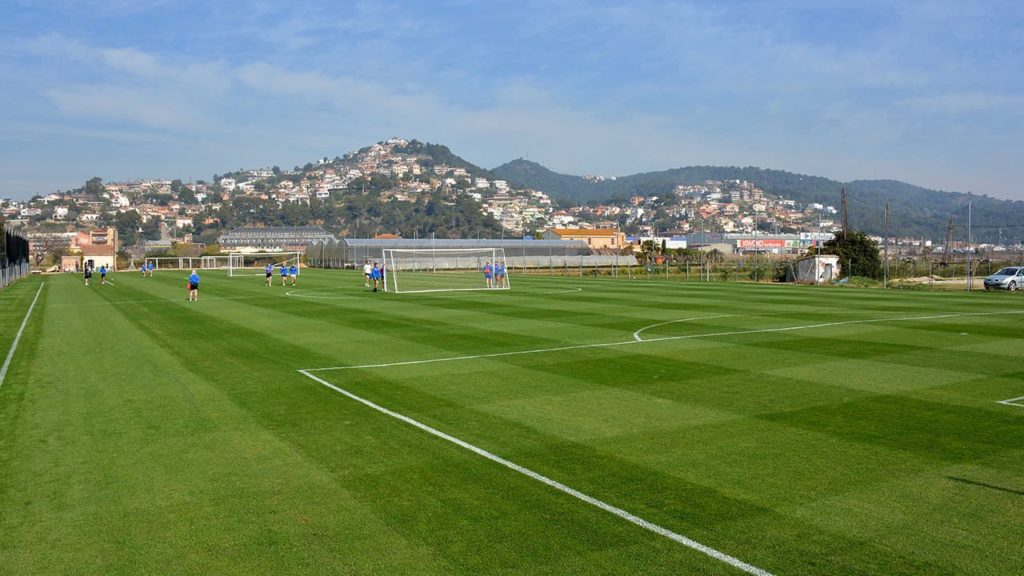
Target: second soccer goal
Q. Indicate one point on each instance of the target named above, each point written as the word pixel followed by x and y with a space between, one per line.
pixel 254 264
pixel 426 270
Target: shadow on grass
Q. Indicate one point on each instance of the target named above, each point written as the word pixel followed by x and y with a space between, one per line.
pixel 986 485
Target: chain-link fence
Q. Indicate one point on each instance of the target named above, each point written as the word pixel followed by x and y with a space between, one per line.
pixel 14 254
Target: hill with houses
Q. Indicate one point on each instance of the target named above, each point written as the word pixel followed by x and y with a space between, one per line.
pixel 412 189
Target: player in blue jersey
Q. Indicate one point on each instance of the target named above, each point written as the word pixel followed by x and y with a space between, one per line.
pixel 193 286
pixel 150 267
pixel 270 273
pixel 489 274
pixel 499 274
pixel 284 274
pixel 103 273
pixel 293 273
pixel 375 276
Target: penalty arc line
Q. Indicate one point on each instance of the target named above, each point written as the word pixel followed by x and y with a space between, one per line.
pixel 661 339
pixel 17 338
pixel 636 335
pixel 632 518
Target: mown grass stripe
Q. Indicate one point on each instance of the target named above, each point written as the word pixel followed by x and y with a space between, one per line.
pixel 676 537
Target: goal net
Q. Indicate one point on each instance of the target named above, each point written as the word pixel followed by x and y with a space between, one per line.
pixel 428 270
pixel 255 264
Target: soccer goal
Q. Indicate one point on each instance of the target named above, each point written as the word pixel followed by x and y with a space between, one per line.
pixel 429 270
pixel 186 262
pixel 254 264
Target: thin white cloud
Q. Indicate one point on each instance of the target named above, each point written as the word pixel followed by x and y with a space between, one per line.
pixel 963 102
pixel 132 61
pixel 149 107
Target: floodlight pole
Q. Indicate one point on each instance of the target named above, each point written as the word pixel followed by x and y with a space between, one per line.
pixel 703 245
pixel 757 249
pixel 885 275
pixel 970 251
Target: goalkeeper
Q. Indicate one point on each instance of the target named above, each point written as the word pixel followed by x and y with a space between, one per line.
pixel 375 275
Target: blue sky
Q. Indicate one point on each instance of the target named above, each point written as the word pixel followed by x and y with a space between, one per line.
pixel 927 92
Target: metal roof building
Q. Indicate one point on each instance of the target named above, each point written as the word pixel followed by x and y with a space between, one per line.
pixel 350 252
pixel 272 238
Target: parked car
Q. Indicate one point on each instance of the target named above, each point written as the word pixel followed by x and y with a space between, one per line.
pixel 1009 278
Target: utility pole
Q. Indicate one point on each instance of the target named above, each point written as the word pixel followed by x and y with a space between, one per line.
pixel 846 214
pixel 703 252
pixel 970 251
pixel 885 274
pixel 949 240
pixel 757 249
pixel 846 231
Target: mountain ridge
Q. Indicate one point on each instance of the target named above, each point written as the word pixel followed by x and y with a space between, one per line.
pixel 914 211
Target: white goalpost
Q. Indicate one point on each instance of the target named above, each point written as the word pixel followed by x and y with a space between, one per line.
pixel 255 263
pixel 441 270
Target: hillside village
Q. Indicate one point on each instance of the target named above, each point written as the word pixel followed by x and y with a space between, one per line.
pixel 401 187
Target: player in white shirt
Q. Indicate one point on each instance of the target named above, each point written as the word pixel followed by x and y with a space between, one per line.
pixel 367 272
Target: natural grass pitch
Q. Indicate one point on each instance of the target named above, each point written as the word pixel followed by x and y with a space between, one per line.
pixel 290 430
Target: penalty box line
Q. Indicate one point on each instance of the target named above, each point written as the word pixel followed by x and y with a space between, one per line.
pixel 629 517
pixel 1013 402
pixel 17 337
pixel 661 339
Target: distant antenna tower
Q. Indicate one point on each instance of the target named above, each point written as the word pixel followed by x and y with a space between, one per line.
pixel 846 213
pixel 949 241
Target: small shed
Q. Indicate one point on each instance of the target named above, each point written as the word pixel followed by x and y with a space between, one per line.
pixel 817 269
pixel 98 255
pixel 71 263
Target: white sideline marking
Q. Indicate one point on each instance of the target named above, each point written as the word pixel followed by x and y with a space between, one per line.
pixel 1012 402
pixel 17 338
pixel 688 542
pixel 636 335
pixel 664 339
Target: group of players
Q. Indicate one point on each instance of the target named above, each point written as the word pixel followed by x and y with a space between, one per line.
pixel 102 271
pixel 287 273
pixel 495 275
